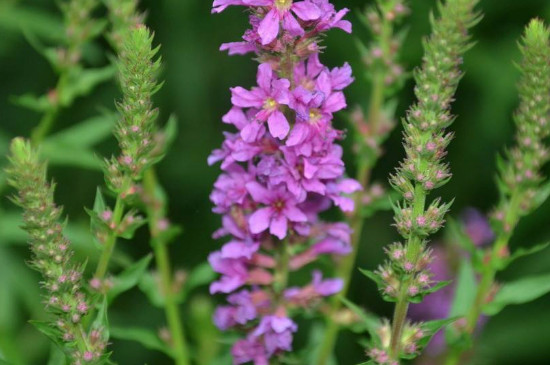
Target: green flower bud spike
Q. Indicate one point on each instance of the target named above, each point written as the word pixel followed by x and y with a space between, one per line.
pixel 65 297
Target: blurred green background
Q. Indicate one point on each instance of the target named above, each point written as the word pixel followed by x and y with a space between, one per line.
pixel 197 80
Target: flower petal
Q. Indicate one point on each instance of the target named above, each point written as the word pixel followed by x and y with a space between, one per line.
pixel 259 220
pixel 245 99
pixel 265 75
pixel 291 25
pixel 278 226
pixel 269 27
pixel 258 192
pixel 306 10
pixel 278 125
pixel 294 214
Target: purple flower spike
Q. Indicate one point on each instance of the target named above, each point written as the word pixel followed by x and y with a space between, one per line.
pixel 281 169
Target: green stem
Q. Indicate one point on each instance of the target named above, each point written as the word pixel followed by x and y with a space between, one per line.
pixel 110 242
pixel 414 248
pixel 43 128
pixel 346 266
pixel 488 275
pixel 171 308
pixel 399 319
pixel 48 119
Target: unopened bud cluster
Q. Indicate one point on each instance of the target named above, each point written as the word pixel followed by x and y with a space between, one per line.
pixel 387 75
pixel 400 268
pixel 136 129
pixel 410 343
pixel 381 56
pixel 522 170
pixel 422 225
pixel 64 294
pixel 123 15
pixel 80 28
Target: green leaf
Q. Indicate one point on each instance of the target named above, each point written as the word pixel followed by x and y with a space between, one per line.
pixel 130 228
pixel 101 321
pixel 379 283
pixel 48 53
pixel 459 237
pixel 382 203
pixel 46 328
pixel 203 330
pixel 431 328
pixel 466 288
pixel 370 321
pixel 82 82
pixel 68 155
pixel 18 18
pixel 464 297
pixel 311 352
pixel 373 276
pixel 170 132
pixel 370 362
pixel 522 252
pixel 541 196
pixel 418 298
pixel 129 278
pixel 145 337
pixel 199 276
pixel 57 357
pixel 39 104
pixel 149 285
pixel 86 133
pixel 99 202
pixel 519 292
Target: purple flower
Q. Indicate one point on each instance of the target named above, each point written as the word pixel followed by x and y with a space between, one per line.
pixel 326 287
pixel 268 98
pixel 477 227
pixel 231 262
pixel 281 169
pixel 249 350
pixel 279 210
pixel 284 11
pixel 219 5
pixel 277 333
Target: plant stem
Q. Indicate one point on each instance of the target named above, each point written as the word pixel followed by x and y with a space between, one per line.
pixel 414 247
pixel 49 118
pixel 43 128
pixel 110 242
pixel 155 209
pixel 488 274
pixel 345 268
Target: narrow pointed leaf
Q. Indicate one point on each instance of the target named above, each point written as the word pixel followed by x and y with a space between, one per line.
pixel 370 322
pixel 519 292
pixel 129 277
pixel 145 337
pixel 86 133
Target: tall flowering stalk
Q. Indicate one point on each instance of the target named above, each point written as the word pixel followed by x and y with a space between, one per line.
pixel 65 298
pixel 80 28
pixel 135 131
pixel 386 77
pixel 404 278
pixel 131 175
pixel 520 174
pixel 125 17
pixel 280 170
